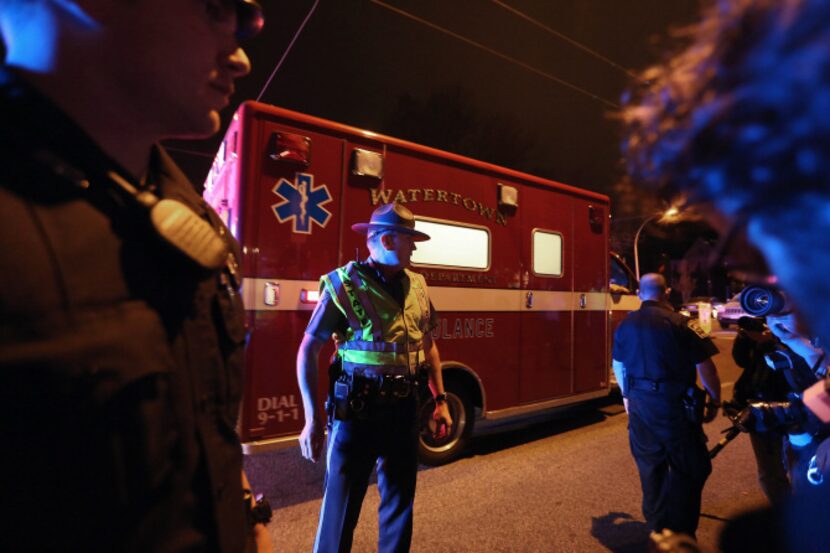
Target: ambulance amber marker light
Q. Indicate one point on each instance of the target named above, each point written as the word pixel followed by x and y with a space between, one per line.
pixel 309 296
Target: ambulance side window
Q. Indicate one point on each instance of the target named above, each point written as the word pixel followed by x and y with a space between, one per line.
pixel 621 281
pixel 547 253
pixel 453 245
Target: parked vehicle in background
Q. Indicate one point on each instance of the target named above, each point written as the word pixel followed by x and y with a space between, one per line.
pixel 690 308
pixel 729 313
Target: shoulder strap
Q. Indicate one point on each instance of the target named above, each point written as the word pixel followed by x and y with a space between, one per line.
pixel 338 290
pixel 350 290
pixel 419 287
pixel 358 292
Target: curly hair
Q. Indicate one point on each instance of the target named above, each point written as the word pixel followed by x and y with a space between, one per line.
pixel 741 116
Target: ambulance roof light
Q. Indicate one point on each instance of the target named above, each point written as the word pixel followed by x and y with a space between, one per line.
pixel 508 196
pixel 366 163
pixel 291 148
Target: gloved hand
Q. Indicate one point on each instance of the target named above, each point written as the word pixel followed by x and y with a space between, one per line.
pixel 745 420
pixel 766 416
pixel 710 409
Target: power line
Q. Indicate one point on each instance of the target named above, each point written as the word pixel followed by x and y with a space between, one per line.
pixel 288 49
pixel 569 40
pixel 497 54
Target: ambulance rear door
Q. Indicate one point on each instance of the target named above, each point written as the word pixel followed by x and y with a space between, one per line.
pixel 590 282
pixel 547 276
pixel 292 235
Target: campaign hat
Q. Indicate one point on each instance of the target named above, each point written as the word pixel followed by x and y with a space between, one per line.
pixel 392 216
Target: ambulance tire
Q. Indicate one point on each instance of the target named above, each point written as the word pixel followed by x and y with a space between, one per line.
pixel 435 452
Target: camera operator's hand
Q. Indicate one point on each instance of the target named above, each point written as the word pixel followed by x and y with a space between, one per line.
pixel 774 415
pixel 785 327
pixel 745 420
pixel 788 329
pixel 710 409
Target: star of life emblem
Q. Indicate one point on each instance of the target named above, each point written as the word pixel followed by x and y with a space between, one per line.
pixel 302 203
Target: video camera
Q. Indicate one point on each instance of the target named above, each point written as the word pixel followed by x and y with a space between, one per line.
pixel 769 411
pixel 780 415
pixel 761 301
pixel 776 356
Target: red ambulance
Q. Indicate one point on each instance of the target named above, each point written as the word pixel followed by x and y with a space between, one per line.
pixel 518 267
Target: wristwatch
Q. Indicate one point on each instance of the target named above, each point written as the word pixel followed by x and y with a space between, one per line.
pixel 441 398
pixel 261 512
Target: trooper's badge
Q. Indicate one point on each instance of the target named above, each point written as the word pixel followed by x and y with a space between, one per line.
pixel 694 325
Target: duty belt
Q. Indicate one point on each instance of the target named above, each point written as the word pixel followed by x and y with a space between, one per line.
pixel 648 385
pixel 361 397
pixel 384 387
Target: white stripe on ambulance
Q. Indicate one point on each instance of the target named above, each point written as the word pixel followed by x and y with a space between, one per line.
pixel 264 294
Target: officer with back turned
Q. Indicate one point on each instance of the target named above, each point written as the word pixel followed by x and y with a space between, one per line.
pixel 656 354
pixel 381 316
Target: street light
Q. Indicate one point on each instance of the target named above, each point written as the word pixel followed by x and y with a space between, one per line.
pixel 668 214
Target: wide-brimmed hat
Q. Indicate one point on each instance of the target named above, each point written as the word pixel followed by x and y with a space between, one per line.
pixel 394 217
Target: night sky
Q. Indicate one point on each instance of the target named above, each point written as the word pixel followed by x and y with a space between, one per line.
pixel 364 65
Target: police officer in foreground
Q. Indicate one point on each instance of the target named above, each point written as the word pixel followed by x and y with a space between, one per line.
pixel 121 329
pixel 381 317
pixel 656 354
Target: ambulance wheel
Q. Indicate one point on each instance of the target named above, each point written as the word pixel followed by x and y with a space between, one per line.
pixel 438 451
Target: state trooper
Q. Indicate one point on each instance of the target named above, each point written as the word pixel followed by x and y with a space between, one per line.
pixel 656 353
pixel 381 317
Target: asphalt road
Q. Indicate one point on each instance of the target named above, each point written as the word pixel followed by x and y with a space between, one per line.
pixel 565 483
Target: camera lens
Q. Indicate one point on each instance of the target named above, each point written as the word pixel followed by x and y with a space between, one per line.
pixel 760 301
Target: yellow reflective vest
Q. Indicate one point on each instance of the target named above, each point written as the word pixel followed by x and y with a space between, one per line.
pixel 382 337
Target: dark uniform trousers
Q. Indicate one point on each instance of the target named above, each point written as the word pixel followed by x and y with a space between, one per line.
pixel 389 437
pixel 672 459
